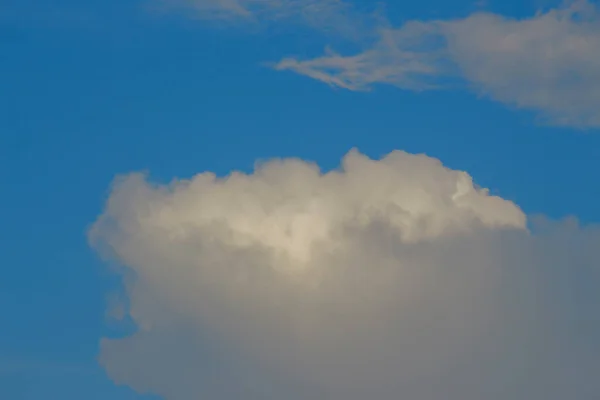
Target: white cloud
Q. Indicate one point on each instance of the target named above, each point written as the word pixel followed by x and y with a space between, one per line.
pixel 549 63
pixel 385 279
pixel 399 58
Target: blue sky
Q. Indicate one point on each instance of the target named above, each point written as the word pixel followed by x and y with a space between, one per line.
pixel 95 89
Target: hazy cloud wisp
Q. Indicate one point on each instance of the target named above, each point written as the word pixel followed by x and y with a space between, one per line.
pixel 333 16
pixel 549 63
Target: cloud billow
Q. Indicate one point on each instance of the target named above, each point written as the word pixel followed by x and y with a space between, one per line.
pixel 385 279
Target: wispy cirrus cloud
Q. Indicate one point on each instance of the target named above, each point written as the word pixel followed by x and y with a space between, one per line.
pixel 246 9
pixel 548 63
pixel 333 16
pixel 411 58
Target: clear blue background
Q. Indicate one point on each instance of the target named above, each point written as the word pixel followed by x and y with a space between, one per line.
pixel 89 90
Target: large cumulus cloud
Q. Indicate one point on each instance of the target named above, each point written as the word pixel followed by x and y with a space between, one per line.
pixel 384 279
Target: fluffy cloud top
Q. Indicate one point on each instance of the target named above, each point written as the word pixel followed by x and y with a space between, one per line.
pixel 385 279
pixel 549 62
